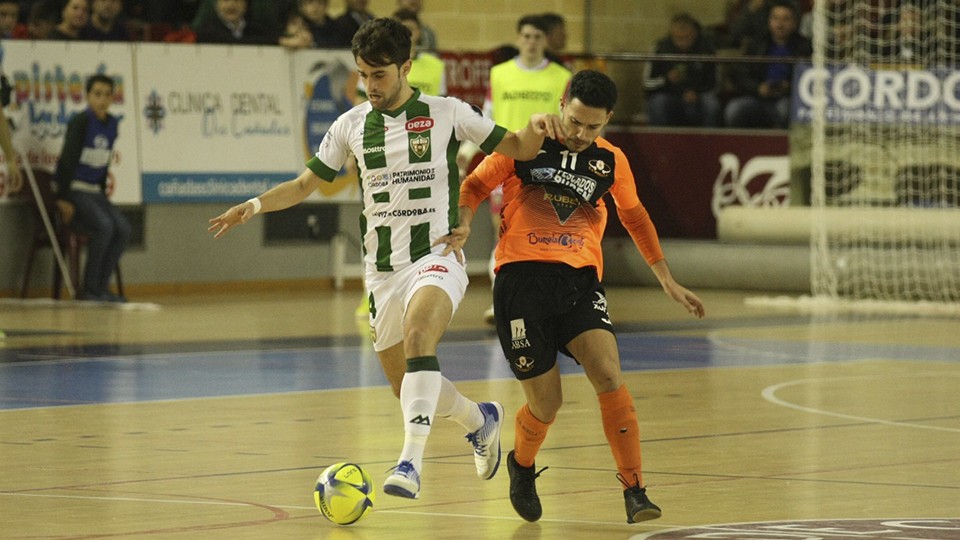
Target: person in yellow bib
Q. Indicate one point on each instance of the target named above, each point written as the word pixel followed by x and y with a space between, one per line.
pixel 524 85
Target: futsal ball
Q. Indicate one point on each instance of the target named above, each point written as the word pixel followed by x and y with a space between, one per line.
pixel 344 493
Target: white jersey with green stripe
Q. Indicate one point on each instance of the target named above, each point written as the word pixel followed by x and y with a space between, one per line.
pixel 408 171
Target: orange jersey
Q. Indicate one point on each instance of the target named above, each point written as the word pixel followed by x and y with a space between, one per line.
pixel 553 208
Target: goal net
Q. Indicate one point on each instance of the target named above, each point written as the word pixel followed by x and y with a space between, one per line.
pixel 885 155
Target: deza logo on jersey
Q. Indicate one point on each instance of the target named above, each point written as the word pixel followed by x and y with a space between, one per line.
pixel 420 124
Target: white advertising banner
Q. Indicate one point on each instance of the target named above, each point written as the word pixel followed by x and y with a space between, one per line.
pixel 217 122
pixel 48 81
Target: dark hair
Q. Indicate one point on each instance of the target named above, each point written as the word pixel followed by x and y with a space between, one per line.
pixel 789 4
pixel 406 15
pixel 44 10
pixel 687 19
pixel 99 78
pixel 593 89
pixel 381 42
pixel 552 20
pixel 535 21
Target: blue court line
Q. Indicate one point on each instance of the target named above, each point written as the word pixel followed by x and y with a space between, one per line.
pixel 112 378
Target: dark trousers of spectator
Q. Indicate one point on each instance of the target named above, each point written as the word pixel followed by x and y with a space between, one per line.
pixel 664 109
pixel 753 112
pixel 109 233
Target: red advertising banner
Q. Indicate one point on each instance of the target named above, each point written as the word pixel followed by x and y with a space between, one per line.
pixel 684 177
pixel 468 75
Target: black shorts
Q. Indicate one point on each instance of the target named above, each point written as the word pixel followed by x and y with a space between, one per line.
pixel 540 307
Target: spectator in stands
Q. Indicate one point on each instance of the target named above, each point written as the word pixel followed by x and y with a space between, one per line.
pixel 74 16
pixel 428 38
pixel 749 24
pixel 43 18
pixel 173 13
pixel 322 28
pixel 296 34
pixel 906 40
pixel 81 179
pixel 230 25
pixel 9 18
pixel 355 15
pixel 268 15
pixel 106 22
pixel 426 70
pixel 14 178
pixel 679 92
pixel 763 89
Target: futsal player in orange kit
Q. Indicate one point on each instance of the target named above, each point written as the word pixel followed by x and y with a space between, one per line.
pixel 547 292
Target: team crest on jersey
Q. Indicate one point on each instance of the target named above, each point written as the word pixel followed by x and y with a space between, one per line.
pixel 600 168
pixel 420 145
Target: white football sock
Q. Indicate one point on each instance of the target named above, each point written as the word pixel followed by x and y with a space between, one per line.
pixel 455 406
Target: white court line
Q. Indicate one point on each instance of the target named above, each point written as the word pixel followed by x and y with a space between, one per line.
pixel 297 507
pixel 769 394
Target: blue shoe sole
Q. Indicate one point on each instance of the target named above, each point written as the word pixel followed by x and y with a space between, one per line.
pixel 398 491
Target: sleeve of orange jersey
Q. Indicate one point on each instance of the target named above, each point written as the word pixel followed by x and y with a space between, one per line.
pixel 490 173
pixel 631 211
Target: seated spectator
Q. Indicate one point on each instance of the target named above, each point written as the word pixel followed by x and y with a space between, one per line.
pixel 267 14
pixel 325 33
pixel 296 34
pixel 106 22
pixel 749 25
pixel 907 39
pixel 10 18
pixel 230 25
pixel 42 19
pixel 763 89
pixel 681 93
pixel 74 15
pixel 355 15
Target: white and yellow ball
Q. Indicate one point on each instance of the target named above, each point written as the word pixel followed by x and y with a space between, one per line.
pixel 344 493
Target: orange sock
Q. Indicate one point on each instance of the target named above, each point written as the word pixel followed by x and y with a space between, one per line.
pixel 529 433
pixel 622 431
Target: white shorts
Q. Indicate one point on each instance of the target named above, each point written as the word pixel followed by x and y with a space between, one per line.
pixel 391 293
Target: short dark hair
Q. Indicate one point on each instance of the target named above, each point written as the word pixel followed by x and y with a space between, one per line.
pixel 44 10
pixel 381 42
pixel 535 21
pixel 593 89
pixel 99 78
pixel 552 20
pixel 406 15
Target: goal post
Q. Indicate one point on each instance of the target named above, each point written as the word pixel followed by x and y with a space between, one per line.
pixel 883 101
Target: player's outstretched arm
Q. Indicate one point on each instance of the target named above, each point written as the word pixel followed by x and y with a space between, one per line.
pixel 276 198
pixel 678 292
pixel 525 144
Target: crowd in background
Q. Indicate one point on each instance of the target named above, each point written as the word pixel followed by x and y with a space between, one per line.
pixel 694 91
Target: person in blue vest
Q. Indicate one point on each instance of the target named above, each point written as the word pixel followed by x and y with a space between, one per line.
pixel 81 179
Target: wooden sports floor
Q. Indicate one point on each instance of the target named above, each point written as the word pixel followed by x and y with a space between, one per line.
pixel 211 417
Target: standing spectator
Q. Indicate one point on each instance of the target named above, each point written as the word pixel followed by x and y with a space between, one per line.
pixel 681 93
pixel 556 28
pixel 231 26
pixel 351 20
pixel 322 28
pixel 74 16
pixel 9 19
pixel 14 179
pixel 763 89
pixel 426 70
pixel 106 22
pixel 81 188
pixel 428 38
pixel 520 87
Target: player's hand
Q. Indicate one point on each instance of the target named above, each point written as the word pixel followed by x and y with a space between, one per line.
pixel 682 295
pixel 547 125
pixel 66 209
pixel 454 241
pixel 238 215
